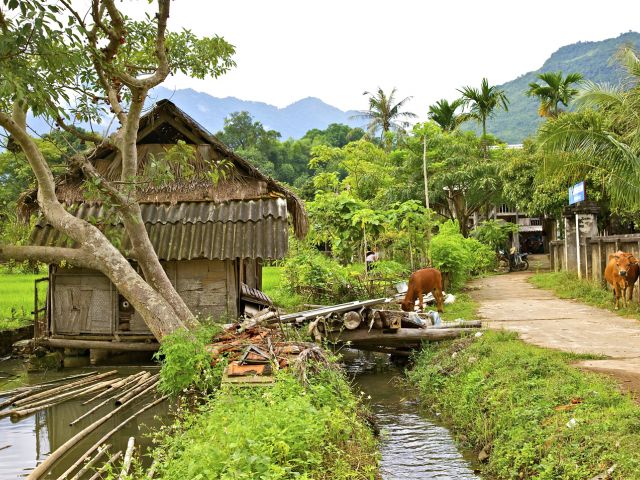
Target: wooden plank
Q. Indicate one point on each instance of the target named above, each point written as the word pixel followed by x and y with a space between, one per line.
pixel 399 337
pixel 102 345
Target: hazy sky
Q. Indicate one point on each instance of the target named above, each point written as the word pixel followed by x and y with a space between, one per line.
pixel 335 50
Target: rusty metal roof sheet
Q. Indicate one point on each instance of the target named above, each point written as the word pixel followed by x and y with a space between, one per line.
pixel 196 230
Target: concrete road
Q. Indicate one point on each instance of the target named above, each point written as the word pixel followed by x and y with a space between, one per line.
pixel 510 302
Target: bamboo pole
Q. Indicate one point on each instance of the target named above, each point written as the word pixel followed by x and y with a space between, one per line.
pixel 27 388
pixel 116 385
pixel 103 468
pixel 28 409
pixel 106 437
pixel 101 451
pixel 133 380
pixel 123 399
pixel 128 456
pixel 101 404
pixel 152 470
pixel 62 388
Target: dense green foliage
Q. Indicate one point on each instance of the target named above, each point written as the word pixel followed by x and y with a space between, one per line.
pixel 536 416
pixel 282 432
pixel 459 257
pixel 186 362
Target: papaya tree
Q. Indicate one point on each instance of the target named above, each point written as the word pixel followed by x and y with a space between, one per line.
pixel 65 66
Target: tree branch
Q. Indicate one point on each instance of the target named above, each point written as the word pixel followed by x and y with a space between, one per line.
pixel 75 256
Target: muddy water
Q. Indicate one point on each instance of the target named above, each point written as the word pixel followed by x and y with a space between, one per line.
pixel 31 439
pixel 413 446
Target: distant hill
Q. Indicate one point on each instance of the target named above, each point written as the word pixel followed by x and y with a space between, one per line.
pixel 292 121
pixel 592 59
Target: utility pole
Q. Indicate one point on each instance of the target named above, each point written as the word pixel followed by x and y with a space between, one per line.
pixel 424 171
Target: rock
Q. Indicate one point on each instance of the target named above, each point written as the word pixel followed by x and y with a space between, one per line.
pixel 484 453
pixel 22 347
pixel 49 361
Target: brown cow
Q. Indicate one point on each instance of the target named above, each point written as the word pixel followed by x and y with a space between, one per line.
pixel 632 276
pixel 422 282
pixel 616 274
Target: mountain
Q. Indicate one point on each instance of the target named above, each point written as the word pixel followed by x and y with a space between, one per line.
pixel 592 59
pixel 292 121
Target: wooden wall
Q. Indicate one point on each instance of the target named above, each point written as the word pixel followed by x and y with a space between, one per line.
pixel 85 302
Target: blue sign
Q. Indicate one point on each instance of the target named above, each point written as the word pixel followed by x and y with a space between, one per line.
pixel 576 193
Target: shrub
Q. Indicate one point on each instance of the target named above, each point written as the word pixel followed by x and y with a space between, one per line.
pixel 459 257
pixel 282 432
pixel 186 361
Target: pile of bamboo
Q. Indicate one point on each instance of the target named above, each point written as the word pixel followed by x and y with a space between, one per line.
pixel 103 389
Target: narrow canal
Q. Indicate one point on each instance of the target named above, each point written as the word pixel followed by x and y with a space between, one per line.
pixel 413 446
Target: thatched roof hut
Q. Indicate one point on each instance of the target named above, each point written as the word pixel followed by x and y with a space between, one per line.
pixel 211 237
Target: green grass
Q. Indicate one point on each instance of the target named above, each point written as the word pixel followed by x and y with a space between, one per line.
pixel 464 307
pixel 287 431
pixel 16 299
pixel 568 285
pixel 273 286
pixel 517 402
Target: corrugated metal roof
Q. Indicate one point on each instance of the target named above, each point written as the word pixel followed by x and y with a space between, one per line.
pixel 197 230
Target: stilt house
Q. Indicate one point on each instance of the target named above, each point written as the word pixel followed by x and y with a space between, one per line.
pixel 211 238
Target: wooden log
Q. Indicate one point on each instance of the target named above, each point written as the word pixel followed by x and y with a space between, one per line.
pixel 102 345
pixel 95 445
pixel 128 456
pixel 66 387
pixel 101 451
pixel 351 320
pixel 399 337
pixel 382 349
pixel 103 468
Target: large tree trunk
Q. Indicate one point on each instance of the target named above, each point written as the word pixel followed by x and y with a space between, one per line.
pixel 156 311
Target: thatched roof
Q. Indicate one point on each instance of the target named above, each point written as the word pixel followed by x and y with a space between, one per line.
pixel 164 125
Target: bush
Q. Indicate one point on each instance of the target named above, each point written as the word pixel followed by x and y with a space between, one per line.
pixel 459 257
pixel 316 277
pixel 282 432
pixel 186 361
pixel 517 402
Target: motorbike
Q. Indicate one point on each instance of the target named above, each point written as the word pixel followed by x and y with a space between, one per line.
pixel 516 262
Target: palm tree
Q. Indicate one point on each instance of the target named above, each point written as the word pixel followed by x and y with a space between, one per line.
pixel 384 114
pixel 444 114
pixel 483 102
pixel 554 91
pixel 603 135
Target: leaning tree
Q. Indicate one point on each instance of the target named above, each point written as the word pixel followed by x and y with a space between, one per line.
pixel 95 65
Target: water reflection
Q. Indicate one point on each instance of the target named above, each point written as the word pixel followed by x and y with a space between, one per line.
pixel 33 438
pixel 412 446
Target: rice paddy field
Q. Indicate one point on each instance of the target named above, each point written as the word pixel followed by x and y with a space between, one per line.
pixel 16 299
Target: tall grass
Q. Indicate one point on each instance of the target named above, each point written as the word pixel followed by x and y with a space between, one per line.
pixel 16 299
pixel 535 415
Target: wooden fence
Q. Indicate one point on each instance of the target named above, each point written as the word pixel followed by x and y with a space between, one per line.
pixel 594 253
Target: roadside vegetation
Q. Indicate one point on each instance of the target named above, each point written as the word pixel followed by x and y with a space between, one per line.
pixel 568 285
pixel 527 411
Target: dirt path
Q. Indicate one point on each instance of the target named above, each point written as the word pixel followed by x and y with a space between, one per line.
pixel 511 302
